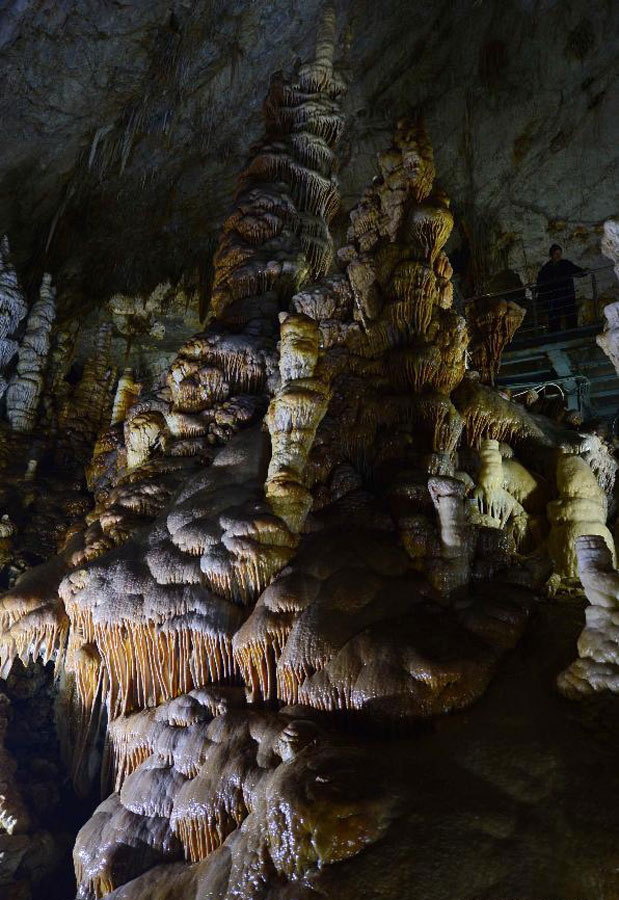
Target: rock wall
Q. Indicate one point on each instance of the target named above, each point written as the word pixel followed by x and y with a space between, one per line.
pixel 121 142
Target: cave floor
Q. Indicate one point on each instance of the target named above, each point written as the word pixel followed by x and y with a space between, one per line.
pixel 512 799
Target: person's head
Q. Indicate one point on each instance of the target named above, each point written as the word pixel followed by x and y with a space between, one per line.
pixel 555 253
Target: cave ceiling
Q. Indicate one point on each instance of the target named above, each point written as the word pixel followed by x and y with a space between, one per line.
pixel 124 123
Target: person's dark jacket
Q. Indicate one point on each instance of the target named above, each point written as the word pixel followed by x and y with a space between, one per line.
pixel 555 283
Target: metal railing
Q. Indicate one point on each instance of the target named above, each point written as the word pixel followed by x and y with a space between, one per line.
pixel 551 312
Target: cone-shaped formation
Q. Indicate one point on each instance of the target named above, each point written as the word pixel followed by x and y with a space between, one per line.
pixel 87 409
pixel 492 323
pixel 400 280
pixel 24 390
pixel 293 417
pixel 278 234
pixel 127 392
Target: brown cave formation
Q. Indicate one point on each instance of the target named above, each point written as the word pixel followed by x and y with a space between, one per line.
pixel 284 580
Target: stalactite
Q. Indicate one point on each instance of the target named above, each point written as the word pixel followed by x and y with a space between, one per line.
pixel 490 496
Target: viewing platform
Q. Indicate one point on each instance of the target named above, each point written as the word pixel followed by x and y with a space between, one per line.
pixel 566 360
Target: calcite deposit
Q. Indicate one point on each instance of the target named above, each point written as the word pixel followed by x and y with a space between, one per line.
pixel 315 542
pixel 608 340
pixel 26 386
pixel 493 323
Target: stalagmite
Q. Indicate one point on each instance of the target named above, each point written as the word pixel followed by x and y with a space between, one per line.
pixel 13 308
pixel 24 390
pixel 292 418
pixel 160 619
pixel 87 407
pixel 580 510
pixel 597 668
pixel 127 392
pixel 608 340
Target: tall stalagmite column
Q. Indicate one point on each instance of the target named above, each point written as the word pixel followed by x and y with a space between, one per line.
pixel 24 391
pixel 159 620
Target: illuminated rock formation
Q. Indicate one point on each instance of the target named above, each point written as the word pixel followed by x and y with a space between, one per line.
pixel 159 619
pixel 310 536
pixel 580 510
pixel 323 633
pixel 127 392
pixel 278 234
pixel 279 796
pixel 608 340
pixel 293 417
pixel 597 668
pixel 24 391
pixel 326 635
pixel 496 505
pixel 492 323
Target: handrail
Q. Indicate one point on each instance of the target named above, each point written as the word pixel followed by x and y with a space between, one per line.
pixel 533 284
pixel 553 313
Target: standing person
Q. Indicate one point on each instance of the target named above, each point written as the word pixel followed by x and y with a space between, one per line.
pixel 555 289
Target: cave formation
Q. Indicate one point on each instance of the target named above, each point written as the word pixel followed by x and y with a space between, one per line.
pixel 297 600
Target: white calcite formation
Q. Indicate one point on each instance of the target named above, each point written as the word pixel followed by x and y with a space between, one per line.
pixel 597 668
pixel 581 509
pixel 13 308
pixel 25 388
pixel 608 340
